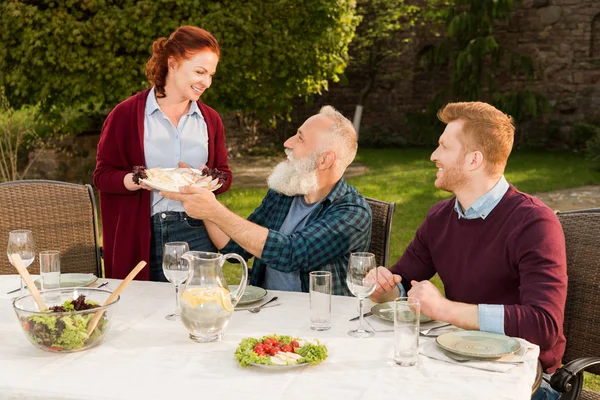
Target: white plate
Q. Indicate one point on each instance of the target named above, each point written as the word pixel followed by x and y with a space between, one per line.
pixel 279 367
pixel 162 187
pixel 72 280
pixel 252 294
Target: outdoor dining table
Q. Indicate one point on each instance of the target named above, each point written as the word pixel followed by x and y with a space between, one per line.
pixel 145 356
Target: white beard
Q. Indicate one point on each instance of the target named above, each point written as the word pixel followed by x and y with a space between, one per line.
pixel 295 177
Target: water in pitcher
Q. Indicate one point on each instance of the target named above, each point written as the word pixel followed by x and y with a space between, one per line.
pixel 205 312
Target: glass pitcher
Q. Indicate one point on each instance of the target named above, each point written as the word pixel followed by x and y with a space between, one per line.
pixel 206 304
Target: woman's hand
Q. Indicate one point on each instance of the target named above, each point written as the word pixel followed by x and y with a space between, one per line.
pixel 131 185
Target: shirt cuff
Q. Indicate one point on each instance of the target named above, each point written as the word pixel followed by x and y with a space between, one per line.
pixel 491 318
pixel 402 290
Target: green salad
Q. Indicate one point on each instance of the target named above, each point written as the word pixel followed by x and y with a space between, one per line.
pixel 277 350
pixel 67 330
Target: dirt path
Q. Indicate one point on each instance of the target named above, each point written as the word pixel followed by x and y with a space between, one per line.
pixel 253 172
pixel 572 199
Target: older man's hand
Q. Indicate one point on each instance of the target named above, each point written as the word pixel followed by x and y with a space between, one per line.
pixel 432 301
pixel 198 202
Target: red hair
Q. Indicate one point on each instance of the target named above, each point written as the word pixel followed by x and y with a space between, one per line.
pixel 184 42
pixel 485 129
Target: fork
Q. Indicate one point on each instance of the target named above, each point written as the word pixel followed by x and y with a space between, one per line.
pixel 257 309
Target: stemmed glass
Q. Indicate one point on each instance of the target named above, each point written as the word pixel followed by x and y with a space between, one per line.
pixel 175 270
pixel 21 242
pixel 361 280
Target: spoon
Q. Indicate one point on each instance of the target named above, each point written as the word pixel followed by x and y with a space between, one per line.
pixel 257 309
pixel 114 295
pixel 18 263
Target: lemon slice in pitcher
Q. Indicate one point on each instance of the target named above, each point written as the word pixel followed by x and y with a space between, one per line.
pixel 198 296
pixel 226 300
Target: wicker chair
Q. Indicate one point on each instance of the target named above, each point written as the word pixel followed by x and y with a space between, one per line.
pixel 62 216
pixel 582 310
pixel 381 229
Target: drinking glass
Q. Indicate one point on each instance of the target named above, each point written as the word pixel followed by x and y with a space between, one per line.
pixel 361 284
pixel 21 242
pixel 406 330
pixel 175 270
pixel 320 300
pixel 50 269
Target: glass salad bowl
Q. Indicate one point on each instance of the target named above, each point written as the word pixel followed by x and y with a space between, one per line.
pixel 64 327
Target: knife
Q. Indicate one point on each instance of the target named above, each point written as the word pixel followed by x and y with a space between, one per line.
pixel 364 316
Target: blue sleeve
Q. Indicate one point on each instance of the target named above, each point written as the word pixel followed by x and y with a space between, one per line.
pixel 491 318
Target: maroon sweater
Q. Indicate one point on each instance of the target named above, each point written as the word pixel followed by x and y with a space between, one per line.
pixel 515 257
pixel 125 214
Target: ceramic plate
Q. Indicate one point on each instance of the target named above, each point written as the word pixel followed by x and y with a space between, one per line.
pixel 385 311
pixel 165 186
pixel 279 367
pixel 72 280
pixel 476 344
pixel 252 294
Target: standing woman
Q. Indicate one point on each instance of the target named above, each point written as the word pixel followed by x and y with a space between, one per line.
pixel 159 127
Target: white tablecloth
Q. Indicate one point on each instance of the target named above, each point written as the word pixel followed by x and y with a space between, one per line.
pixel 144 356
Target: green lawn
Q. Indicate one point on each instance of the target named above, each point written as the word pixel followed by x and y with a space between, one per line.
pixel 406 177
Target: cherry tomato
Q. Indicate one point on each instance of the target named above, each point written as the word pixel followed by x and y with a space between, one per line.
pixel 26 325
pixel 267 348
pixel 274 350
pixel 294 343
pixel 259 348
pixel 287 348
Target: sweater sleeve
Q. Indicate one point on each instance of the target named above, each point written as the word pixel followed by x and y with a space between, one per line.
pixel 221 158
pixel 109 172
pixel 540 255
pixel 416 262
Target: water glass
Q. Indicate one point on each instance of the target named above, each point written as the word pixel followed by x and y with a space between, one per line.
pixel 21 242
pixel 361 280
pixel 320 300
pixel 50 269
pixel 406 330
pixel 175 270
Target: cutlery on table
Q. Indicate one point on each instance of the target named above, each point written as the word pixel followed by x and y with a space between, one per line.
pixel 257 309
pixel 16 290
pixel 367 314
pixel 426 332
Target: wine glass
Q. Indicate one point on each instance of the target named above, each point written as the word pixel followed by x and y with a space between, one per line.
pixel 361 283
pixel 21 242
pixel 175 270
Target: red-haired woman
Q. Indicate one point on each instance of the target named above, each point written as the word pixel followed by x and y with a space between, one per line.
pixel 159 127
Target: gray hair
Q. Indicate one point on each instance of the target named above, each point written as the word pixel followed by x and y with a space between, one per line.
pixel 341 138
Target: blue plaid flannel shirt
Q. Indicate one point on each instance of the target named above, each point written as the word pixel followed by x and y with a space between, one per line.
pixel 341 224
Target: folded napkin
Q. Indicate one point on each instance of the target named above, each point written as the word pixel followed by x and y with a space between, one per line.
pixel 431 349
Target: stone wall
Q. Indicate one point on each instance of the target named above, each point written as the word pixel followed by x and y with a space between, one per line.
pixel 561 36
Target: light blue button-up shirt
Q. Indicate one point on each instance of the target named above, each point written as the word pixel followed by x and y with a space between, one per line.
pixel 166 144
pixel 490 316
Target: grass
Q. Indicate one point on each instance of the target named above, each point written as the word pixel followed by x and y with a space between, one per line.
pixel 406 177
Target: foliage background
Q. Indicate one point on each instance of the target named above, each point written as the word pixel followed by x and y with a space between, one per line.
pixel 91 54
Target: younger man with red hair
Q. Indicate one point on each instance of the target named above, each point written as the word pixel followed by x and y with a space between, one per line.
pixel 499 252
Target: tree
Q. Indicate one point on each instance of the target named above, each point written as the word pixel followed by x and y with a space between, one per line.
pixel 376 41
pixel 475 58
pixel 91 54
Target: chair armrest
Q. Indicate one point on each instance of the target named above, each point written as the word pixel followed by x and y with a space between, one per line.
pixel 569 379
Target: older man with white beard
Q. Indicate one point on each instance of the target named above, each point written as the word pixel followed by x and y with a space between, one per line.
pixel 310 219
